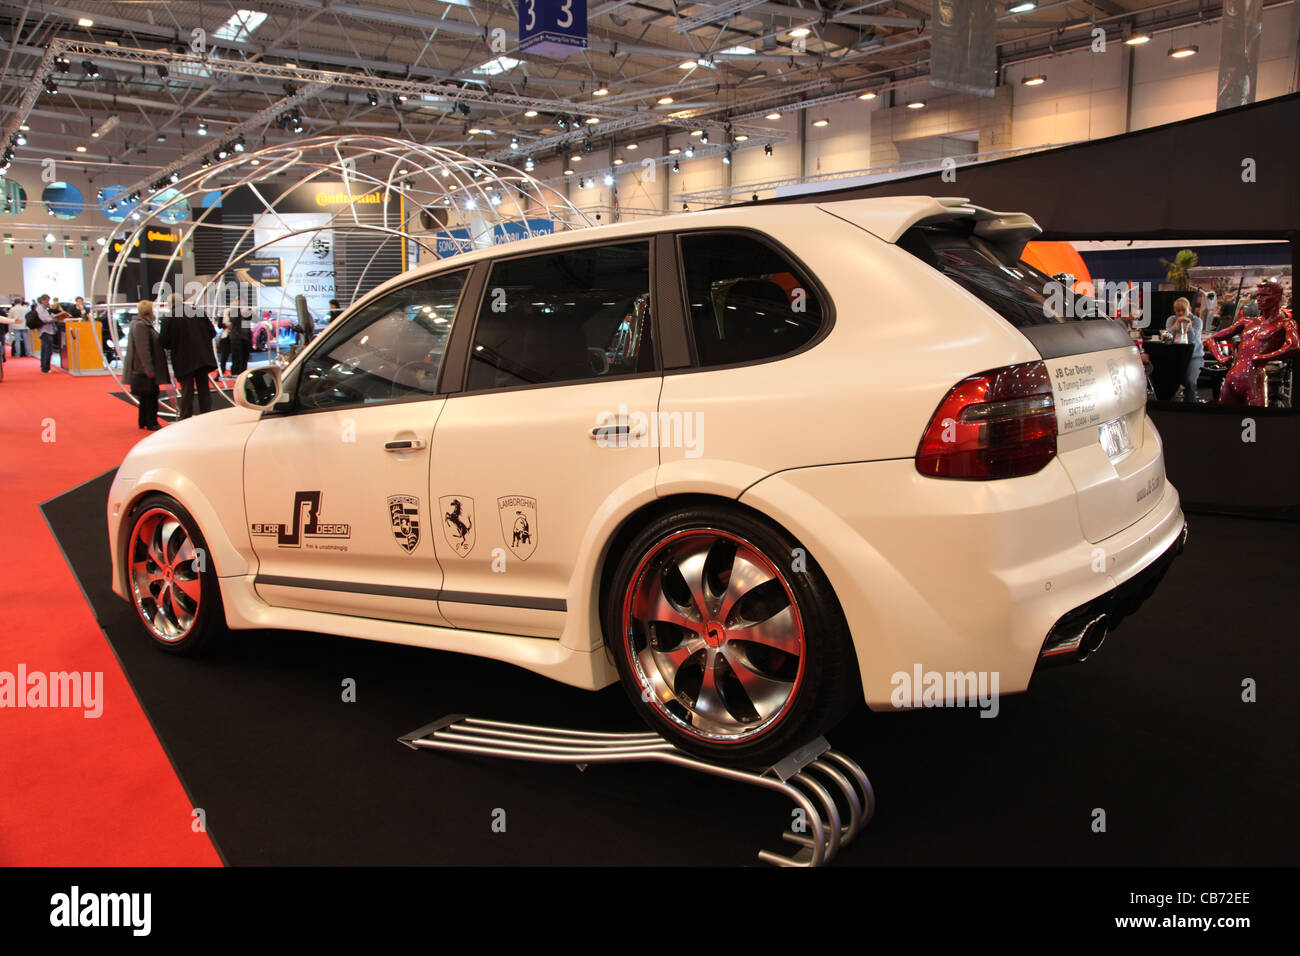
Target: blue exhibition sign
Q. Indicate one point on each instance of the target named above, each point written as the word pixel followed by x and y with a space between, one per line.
pixel 553 28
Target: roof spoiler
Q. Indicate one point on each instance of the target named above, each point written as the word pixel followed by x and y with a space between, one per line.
pixel 890 217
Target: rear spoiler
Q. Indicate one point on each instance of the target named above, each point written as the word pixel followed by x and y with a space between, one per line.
pixel 889 218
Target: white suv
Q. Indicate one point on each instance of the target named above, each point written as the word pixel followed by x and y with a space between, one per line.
pixel 755 463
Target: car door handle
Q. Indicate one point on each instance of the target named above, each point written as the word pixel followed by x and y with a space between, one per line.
pixel 608 432
pixel 406 444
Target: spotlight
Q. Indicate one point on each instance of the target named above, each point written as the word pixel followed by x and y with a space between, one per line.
pixel 20 139
pixel 372 98
pixel 494 199
pixel 704 137
pixel 112 207
pixel 160 138
pixel 685 208
pixel 726 158
pixel 239 144
pixel 529 164
pixel 203 128
pixel 91 71
pixel 677 168
pixel 101 240
pixel 1182 52
pixel 222 152
pixel 50 86
pixel 175 177
pixel 207 161
pixel 49 237
pixel 767 149
pixel 690 152
pixel 562 123
pixel 162 71
pixel 62 64
pixel 609 179
pixel 586 145
pixel 514 142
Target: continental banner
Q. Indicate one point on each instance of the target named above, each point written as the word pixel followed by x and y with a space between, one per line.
pixel 1239 52
pixel 963 47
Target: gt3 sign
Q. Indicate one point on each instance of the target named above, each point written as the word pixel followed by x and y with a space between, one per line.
pixel 553 28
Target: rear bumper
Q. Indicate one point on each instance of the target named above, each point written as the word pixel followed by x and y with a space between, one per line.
pixel 1080 632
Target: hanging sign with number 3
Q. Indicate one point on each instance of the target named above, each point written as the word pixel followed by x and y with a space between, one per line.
pixel 552 28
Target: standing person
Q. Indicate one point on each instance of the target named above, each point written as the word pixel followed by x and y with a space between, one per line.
pixel 239 321
pixel 187 335
pixel 49 330
pixel 143 364
pixel 16 324
pixel 335 309
pixel 223 344
pixel 1187 328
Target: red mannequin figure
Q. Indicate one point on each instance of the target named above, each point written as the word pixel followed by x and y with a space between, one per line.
pixel 1267 338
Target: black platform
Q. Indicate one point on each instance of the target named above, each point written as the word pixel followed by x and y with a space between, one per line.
pixel 1152 730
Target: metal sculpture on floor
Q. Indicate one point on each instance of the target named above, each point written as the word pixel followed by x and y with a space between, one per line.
pixel 436 188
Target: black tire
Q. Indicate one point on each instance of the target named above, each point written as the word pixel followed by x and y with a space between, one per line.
pixel 729 545
pixel 164 618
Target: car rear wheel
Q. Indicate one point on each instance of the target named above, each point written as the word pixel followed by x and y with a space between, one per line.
pixel 170 577
pixel 728 638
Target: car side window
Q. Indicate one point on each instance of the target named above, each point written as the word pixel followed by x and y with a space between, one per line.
pixel 390 350
pixel 565 316
pixel 747 301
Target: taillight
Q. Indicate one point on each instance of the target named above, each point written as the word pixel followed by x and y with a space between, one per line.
pixel 997 424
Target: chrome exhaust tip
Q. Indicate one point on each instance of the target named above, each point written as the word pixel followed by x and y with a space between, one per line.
pixel 1092 637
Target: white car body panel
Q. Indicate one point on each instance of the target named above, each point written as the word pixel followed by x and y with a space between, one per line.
pixel 953 575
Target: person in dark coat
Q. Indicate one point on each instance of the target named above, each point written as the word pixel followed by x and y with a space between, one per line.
pixel 187 335
pixel 239 324
pixel 144 366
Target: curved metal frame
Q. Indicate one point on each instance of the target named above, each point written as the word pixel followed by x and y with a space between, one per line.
pixel 484 193
pixel 493 738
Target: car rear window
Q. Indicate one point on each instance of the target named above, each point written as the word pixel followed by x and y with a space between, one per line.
pixel 1017 291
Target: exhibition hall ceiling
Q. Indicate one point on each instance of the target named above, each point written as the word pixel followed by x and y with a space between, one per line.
pixel 646 62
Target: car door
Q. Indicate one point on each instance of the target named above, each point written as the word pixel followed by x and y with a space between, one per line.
pixel 336 488
pixel 545 434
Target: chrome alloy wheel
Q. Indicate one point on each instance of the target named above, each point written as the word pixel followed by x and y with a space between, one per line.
pixel 164 580
pixel 714 636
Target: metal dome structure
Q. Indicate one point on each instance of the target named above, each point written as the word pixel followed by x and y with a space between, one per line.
pixel 434 184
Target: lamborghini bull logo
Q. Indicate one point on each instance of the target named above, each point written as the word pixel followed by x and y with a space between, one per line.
pixel 519 524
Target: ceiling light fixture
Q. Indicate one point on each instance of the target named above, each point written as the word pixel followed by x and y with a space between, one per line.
pixel 916 105
pixel 773 115
pixel 868 95
pixel 686 65
pixel 800 32
pixel 1138 39
pixel 600 92
pixel 741 138
pixel 530 113
pixel 1182 52
pixel 821 121
pixel 1022 6
pixel 665 101
pixel 1038 80
pixel 85 22
pixel 632 146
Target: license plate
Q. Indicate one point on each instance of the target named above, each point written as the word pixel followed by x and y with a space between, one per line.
pixel 1115 438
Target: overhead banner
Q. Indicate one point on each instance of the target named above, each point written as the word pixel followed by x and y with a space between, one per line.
pixel 553 28
pixel 963 48
pixel 1239 52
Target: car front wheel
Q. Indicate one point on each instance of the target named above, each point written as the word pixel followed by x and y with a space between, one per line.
pixel 728 637
pixel 170 578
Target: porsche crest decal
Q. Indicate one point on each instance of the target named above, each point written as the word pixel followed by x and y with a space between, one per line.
pixel 404 514
pixel 458 522
pixel 519 524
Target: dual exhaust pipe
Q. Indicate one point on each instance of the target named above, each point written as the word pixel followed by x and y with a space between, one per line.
pixel 1074 641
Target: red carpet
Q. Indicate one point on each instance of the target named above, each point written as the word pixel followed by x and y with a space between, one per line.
pixel 74 791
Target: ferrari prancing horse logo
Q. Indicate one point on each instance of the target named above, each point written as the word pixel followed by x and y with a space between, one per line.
pixel 458 522
pixel 404 513
pixel 519 524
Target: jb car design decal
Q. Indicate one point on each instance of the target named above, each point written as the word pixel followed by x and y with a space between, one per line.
pixel 519 524
pixel 306 524
pixel 458 522
pixel 404 514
